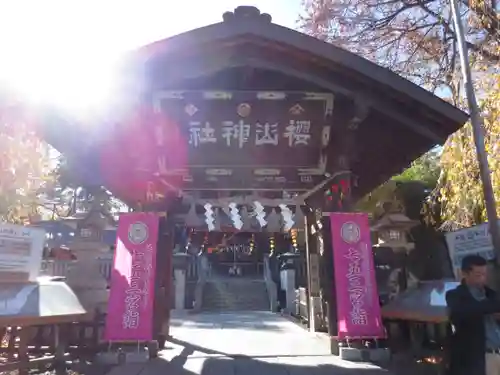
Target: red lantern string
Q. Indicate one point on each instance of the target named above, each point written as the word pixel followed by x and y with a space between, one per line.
pixel 345 186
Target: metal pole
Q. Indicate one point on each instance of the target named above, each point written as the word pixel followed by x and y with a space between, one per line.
pixel 477 130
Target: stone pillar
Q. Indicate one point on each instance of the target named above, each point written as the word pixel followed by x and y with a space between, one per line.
pixel 271 286
pixel 180 266
pixel 288 286
pixel 179 288
pixel 86 280
pixel 287 277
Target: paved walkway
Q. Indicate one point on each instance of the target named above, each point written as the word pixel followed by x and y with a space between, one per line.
pixel 245 343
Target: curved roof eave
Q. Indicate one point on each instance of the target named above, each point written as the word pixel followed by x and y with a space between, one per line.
pixel 294 39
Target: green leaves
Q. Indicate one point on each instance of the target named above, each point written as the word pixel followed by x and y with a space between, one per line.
pixel 24 168
pixel 459 190
pixel 410 185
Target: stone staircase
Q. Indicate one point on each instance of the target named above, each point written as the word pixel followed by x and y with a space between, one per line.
pixel 235 294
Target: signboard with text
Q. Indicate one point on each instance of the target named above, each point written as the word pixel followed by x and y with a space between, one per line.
pixel 205 140
pixel 468 241
pixel 249 139
pixel 21 250
pixel 132 290
pixel 358 307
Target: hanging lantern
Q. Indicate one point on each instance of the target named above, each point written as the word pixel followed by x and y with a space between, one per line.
pixel 272 244
pixel 252 243
pixel 293 235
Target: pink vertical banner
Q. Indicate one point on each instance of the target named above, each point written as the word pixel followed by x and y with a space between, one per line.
pixel 131 299
pixel 358 308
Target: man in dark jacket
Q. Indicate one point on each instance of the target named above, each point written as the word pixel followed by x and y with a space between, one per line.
pixel 475 341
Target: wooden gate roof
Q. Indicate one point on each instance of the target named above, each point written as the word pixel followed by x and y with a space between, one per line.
pixel 400 120
pixel 240 30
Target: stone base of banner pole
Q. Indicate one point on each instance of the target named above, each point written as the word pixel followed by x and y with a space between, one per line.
pixel 129 356
pixel 378 355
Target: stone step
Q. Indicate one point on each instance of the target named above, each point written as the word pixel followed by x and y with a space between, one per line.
pixel 234 295
pixel 235 298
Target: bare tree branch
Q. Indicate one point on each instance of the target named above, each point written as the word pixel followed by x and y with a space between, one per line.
pixel 414 38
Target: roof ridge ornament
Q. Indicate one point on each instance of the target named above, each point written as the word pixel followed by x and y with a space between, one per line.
pixel 246 12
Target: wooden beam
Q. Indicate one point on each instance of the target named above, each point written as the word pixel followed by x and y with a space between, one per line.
pixel 243 200
pixel 227 59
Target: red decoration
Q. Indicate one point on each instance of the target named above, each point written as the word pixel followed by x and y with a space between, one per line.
pixel 338 191
pixel 138 161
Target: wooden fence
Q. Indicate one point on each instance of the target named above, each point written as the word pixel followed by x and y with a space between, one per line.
pixel 60 267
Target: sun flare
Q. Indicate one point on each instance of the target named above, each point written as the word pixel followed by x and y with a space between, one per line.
pixel 74 83
pixel 57 56
pixel 65 53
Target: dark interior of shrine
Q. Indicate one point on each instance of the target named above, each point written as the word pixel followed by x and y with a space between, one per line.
pixel 233 251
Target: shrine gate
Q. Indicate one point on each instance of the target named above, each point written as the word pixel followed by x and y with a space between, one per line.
pixel 246 110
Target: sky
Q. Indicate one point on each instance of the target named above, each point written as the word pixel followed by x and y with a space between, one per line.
pixel 49 48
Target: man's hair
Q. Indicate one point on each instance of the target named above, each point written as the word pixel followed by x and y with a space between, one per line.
pixel 471 261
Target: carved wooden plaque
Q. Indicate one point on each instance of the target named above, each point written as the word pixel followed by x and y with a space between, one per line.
pixel 249 140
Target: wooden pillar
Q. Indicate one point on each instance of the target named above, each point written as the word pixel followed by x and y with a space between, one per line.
pixel 164 280
pixel 23 356
pixel 329 279
pixel 313 272
pixel 343 146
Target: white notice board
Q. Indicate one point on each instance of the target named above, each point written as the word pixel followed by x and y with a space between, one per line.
pixel 21 250
pixel 473 240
